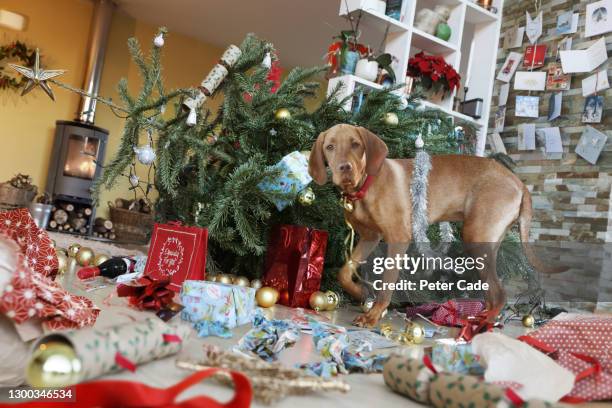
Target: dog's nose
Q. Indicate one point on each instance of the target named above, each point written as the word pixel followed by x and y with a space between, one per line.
pixel 345 167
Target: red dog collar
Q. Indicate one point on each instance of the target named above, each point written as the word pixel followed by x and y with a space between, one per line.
pixel 358 195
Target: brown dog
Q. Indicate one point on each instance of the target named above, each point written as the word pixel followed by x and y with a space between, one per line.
pixel 482 193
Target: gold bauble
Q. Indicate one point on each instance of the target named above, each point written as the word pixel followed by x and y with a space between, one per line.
pixel 306 196
pixel 282 114
pixel 391 119
pixel 225 279
pixel 100 259
pixel 241 281
pixel 266 296
pixel 332 300
pixel 62 260
pixel 528 320
pixel 318 301
pixel 256 284
pixel 73 250
pixel 53 364
pixel 348 206
pixel 367 305
pixel 415 333
pixel 85 256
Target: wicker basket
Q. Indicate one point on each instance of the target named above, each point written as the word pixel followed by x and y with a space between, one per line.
pixel 131 225
pixel 13 197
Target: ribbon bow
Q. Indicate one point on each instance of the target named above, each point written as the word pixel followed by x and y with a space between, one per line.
pixel 147 293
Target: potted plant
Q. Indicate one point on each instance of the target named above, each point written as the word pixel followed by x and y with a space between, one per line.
pixel 344 53
pixel 433 75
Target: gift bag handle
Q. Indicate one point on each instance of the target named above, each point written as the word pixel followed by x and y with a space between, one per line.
pixel 130 394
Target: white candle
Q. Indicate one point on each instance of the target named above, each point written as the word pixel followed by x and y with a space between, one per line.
pixel 469 68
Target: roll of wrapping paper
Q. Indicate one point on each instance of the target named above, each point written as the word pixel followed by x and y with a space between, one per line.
pixel 125 346
pixel 417 380
pixel 231 56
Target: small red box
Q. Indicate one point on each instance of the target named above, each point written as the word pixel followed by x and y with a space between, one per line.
pixel 294 263
pixel 177 252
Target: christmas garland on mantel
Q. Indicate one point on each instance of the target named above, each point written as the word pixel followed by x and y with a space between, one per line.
pixel 24 54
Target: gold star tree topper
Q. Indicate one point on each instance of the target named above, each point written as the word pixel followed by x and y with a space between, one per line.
pixel 37 76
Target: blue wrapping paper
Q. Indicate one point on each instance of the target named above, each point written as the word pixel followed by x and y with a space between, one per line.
pixel 456 357
pixel 268 338
pixel 293 178
pixel 215 308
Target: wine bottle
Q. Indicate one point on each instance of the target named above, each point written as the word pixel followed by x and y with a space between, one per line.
pixel 109 269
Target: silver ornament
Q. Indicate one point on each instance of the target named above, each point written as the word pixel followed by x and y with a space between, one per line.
pixel 145 154
pixel 419 143
pixel 158 41
pixel 134 180
pixel 37 76
pixel 267 61
pixel 192 118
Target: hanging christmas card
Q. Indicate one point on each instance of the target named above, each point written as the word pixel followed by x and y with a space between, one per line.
pixel 527 106
pixel 500 118
pixel 593 109
pixel 526 136
pixel 567 23
pixel 554 105
pixel 591 144
pixel 530 81
pixel 595 83
pixel 534 56
pixel 552 139
pixel 510 65
pixel 514 37
pixel 533 28
pixel 556 79
pixel 587 60
pixel 598 18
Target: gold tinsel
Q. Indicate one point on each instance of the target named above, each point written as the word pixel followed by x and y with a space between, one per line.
pixel 271 381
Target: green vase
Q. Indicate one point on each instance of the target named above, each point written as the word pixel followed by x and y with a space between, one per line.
pixel 443 31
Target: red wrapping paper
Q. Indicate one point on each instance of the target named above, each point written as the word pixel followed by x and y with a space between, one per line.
pixel 147 293
pixel 583 345
pixel 177 253
pixel 294 263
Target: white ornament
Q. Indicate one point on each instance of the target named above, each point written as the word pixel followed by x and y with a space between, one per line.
pixel 267 61
pixel 419 143
pixel 134 180
pixel 403 103
pixel 158 41
pixel 162 109
pixel 273 132
pixel 192 118
pixel 145 154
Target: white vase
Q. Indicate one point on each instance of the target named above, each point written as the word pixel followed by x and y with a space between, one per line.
pixel 366 69
pixel 376 6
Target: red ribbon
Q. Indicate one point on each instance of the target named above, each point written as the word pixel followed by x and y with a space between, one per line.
pixel 130 394
pixel 124 362
pixel 172 338
pixel 150 294
pixel 429 364
pixel 475 325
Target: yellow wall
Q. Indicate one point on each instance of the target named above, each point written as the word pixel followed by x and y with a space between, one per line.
pixel 60 29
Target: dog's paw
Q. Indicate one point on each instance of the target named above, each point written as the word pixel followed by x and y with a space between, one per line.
pixel 367 320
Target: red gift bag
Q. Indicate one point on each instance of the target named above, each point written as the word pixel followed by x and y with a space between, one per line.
pixel 177 253
pixel 294 263
pixel 583 345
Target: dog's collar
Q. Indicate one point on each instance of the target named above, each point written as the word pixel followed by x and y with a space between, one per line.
pixel 359 194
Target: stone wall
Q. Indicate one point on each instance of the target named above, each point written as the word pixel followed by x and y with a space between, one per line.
pixel 571 197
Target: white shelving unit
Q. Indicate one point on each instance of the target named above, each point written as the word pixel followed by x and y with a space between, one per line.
pixel 469 23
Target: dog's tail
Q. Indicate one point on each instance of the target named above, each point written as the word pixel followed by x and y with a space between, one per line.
pixel 524 226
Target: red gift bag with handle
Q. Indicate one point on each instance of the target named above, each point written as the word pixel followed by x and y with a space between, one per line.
pixel 177 253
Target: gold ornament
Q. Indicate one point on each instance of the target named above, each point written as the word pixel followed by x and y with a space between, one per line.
pixel 282 114
pixel 415 333
pixel 62 260
pixel 85 256
pixel 318 301
pixel 306 197
pixel 211 278
pixel 348 205
pixel 266 296
pixel 53 364
pixel 100 259
pixel 256 284
pixel 241 281
pixel 225 279
pixel 391 119
pixel 332 300
pixel 367 305
pixel 528 320
pixel 37 76
pixel 73 249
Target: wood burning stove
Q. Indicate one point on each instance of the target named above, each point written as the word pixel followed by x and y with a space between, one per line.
pixel 78 150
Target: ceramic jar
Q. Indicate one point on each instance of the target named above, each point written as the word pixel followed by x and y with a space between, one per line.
pixel 367 69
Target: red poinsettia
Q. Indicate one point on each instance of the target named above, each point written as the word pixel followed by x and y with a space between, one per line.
pixel 434 72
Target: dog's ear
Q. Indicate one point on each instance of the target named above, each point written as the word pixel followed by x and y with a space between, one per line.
pixel 375 150
pixel 316 161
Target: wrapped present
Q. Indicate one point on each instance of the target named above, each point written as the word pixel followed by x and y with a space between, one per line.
pixel 583 345
pixel 216 308
pixel 177 253
pixel 450 313
pixel 27 295
pixel 294 263
pixel 456 357
pixel 34 242
pixel 293 177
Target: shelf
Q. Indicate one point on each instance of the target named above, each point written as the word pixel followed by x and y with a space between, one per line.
pixel 377 20
pixel 475 14
pixel 430 43
pixel 347 80
pixel 450 112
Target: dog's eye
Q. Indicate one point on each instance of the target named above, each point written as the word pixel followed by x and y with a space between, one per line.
pixel 355 145
pixel 330 147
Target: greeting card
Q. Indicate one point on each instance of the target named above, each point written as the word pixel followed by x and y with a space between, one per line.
pixel 534 56
pixel 591 144
pixel 557 80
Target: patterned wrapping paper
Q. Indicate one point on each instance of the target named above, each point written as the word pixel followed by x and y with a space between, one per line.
pixel 268 338
pixel 456 357
pixel 576 338
pixel 450 313
pixel 215 308
pixel 115 348
pixel 293 178
pixel 294 263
